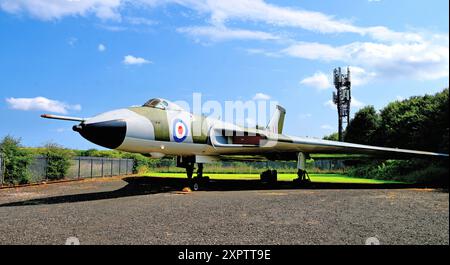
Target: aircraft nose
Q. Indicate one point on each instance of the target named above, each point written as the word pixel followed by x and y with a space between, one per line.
pixel 109 134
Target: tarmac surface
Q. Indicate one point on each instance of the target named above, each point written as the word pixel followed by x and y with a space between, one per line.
pixel 138 210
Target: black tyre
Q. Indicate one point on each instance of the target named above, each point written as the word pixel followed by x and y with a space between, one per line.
pixel 195 186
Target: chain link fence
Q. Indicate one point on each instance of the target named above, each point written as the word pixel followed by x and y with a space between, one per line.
pixel 80 167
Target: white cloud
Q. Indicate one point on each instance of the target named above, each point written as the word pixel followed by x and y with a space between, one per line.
pixel 262 51
pixel 421 61
pixel 101 47
pixel 132 60
pixel 330 104
pixel 327 127
pixel 356 103
pixel 381 33
pixel 111 28
pixel 220 12
pixel 140 21
pixel 51 9
pixel 222 33
pixel 41 103
pixel 259 11
pixel 319 80
pixel 314 51
pixel 261 96
pixel 407 54
pixel 360 76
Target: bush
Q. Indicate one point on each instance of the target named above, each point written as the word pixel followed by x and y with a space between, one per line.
pixel 16 161
pixel 410 171
pixel 58 161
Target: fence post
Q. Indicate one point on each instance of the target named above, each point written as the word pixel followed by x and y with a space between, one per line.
pixel 79 167
pixel 92 163
pixel 46 166
pixel 120 165
pixel 103 160
pixel 111 167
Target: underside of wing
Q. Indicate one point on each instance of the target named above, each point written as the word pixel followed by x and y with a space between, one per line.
pixel 282 147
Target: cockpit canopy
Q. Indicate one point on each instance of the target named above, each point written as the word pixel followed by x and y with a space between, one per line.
pixel 159 103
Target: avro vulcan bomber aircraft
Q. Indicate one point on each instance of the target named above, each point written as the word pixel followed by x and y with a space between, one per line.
pixel 160 128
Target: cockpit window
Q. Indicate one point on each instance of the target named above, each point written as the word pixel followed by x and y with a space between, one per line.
pixel 162 104
pixel 156 103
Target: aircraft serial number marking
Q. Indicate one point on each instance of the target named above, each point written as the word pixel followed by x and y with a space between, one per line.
pixel 226 254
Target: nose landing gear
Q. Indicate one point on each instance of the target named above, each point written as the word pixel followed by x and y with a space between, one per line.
pixel 269 176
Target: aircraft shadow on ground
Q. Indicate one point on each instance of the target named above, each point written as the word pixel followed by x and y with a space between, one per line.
pixel 137 186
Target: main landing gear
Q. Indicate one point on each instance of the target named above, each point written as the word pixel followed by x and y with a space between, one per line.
pixel 303 176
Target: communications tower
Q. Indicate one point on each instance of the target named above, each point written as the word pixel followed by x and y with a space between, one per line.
pixel 342 97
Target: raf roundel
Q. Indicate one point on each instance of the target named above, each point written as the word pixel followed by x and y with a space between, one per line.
pixel 180 130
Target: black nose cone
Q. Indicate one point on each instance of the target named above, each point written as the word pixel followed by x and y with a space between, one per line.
pixel 109 134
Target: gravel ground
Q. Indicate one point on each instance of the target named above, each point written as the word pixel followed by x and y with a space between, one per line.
pixel 137 210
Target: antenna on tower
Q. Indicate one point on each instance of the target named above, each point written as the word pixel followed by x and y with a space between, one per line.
pixel 342 97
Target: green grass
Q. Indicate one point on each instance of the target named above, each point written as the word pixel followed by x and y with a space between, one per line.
pixel 328 178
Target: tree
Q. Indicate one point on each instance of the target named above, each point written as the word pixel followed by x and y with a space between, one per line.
pixel 332 137
pixel 16 160
pixel 58 161
pixel 417 123
pixel 363 127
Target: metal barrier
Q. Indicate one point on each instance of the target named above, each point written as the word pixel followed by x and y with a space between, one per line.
pixel 80 167
pixel 329 164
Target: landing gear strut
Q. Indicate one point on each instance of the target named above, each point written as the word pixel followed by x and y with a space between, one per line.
pixel 196 182
pixel 200 170
pixel 189 171
pixel 188 162
pixel 303 176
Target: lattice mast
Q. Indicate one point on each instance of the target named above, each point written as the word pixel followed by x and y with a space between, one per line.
pixel 342 97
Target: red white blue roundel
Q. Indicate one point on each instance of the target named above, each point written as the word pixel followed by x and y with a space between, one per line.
pixel 180 130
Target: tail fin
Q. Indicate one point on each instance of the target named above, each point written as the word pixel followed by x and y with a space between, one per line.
pixel 277 121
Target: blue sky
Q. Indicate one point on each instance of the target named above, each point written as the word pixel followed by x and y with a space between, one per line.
pixel 84 57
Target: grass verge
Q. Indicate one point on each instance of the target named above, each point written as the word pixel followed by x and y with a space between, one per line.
pixel 328 178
